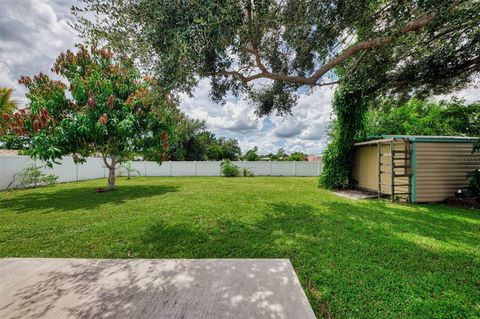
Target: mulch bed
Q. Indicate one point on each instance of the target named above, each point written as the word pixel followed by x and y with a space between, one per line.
pixel 470 203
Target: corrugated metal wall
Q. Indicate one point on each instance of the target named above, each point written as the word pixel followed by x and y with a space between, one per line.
pixel 365 168
pixel 441 169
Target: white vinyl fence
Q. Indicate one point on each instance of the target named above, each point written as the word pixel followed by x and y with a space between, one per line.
pixel 68 171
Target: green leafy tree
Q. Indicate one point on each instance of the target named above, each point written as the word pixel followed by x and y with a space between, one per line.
pixel 297 156
pixel 222 148
pixel 109 110
pixel 191 144
pixel 252 155
pixel 424 45
pixel 421 117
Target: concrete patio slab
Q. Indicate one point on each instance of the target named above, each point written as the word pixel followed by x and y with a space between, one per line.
pixel 355 194
pixel 151 288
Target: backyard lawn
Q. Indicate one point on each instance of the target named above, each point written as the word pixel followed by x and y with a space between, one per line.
pixel 355 259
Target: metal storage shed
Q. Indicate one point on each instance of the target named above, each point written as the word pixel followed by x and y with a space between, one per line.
pixel 425 168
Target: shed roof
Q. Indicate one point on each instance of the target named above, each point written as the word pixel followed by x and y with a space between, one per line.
pixel 420 138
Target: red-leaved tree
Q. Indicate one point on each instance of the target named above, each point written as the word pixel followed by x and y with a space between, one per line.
pixel 107 109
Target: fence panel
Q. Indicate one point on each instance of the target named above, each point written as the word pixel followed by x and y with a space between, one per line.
pixel 208 168
pixel 155 169
pixel 67 170
pixel 183 169
pixel 258 168
pixel 11 165
pixel 283 169
pixel 309 169
pixel 93 168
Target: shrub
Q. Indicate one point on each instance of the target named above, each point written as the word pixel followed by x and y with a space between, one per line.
pixel 32 176
pixel 229 169
pixel 248 173
pixel 474 182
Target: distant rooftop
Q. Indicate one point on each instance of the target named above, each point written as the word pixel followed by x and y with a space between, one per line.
pixel 8 152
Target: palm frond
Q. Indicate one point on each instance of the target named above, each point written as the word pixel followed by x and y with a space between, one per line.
pixel 6 103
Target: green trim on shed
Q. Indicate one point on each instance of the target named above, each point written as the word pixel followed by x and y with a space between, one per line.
pixel 413 197
pixel 425 138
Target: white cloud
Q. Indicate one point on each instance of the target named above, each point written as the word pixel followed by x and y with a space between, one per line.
pixel 234 116
pixel 33 34
pixel 470 94
pixel 303 131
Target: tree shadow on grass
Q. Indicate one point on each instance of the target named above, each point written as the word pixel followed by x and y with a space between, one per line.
pixel 79 198
pixel 436 222
pixel 360 258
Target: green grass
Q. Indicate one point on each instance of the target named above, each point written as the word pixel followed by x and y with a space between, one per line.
pixel 358 259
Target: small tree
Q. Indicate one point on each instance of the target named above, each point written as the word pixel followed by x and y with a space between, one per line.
pixel 32 176
pixel 112 112
pixel 128 169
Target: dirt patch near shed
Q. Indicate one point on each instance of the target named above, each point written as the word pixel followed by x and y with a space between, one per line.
pixel 355 194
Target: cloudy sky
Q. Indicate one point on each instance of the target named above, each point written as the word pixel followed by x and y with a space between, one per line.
pixel 34 32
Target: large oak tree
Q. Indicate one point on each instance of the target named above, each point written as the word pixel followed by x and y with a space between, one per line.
pixel 270 50
pixel 409 46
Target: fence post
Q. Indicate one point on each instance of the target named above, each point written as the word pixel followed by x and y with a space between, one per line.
pixel 76 172
pixel 319 170
pixel 294 168
pixel 195 166
pixel 269 168
pixel 170 167
pixel 144 168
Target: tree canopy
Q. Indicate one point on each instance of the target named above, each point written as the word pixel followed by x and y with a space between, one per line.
pixel 421 117
pixel 107 109
pixel 221 148
pixel 195 143
pixel 190 144
pixel 392 47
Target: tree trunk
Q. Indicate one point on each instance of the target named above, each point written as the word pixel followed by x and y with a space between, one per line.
pixel 111 171
pixel 111 177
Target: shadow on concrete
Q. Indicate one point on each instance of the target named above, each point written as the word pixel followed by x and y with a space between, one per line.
pixel 188 289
